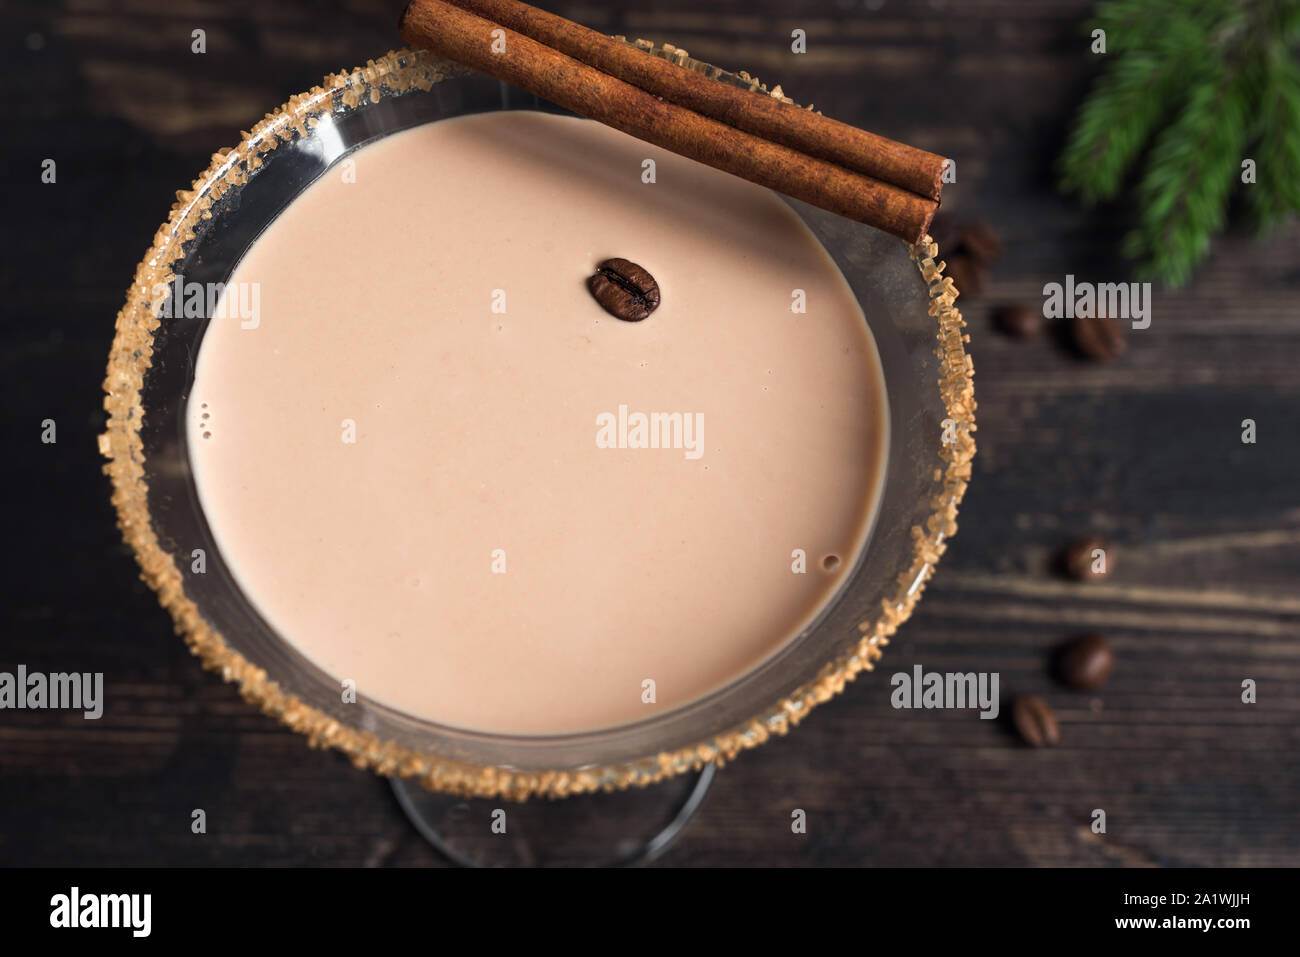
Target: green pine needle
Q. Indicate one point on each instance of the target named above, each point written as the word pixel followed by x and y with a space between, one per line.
pixel 1278 135
pixel 1192 90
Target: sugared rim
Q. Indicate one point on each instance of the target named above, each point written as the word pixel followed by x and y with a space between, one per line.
pixel 131 356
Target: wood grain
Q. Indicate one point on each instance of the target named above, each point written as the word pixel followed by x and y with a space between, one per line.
pixel 1145 452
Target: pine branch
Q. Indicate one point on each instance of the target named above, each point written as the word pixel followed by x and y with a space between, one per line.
pixel 1183 196
pixel 1158 52
pixel 1192 88
pixel 1115 124
pixel 1277 190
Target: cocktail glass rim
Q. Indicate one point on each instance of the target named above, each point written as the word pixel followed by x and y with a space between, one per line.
pixel 362 732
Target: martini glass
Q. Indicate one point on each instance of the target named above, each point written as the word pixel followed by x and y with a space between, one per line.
pixel 457 784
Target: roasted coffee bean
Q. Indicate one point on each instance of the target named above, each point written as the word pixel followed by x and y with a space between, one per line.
pixel 1020 321
pixel 624 290
pixel 1099 337
pixel 982 242
pixel 946 233
pixel 1086 662
pixel 1035 721
pixel 1087 560
pixel 966 274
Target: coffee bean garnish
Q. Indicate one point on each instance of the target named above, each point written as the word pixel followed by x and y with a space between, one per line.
pixel 969 248
pixel 1099 337
pixel 624 290
pixel 981 241
pixel 1035 721
pixel 1086 662
pixel 1020 321
pixel 945 231
pixel 967 275
pixel 1080 562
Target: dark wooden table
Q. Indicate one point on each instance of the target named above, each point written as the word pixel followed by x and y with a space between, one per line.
pixel 1145 451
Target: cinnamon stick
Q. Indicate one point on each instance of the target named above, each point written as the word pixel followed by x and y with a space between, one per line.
pixel 884 159
pixel 474 42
